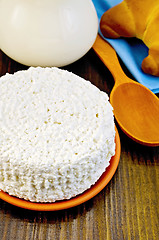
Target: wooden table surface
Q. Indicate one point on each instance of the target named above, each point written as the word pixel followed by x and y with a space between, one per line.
pixel 127 208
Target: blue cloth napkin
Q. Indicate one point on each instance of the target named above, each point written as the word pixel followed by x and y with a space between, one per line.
pixel 132 51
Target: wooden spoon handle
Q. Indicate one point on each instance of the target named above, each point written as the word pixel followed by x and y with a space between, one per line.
pixel 109 57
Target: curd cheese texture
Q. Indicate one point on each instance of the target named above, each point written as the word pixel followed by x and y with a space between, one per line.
pixel 57 134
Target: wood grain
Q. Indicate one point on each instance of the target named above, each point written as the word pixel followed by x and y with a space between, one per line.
pixel 127 208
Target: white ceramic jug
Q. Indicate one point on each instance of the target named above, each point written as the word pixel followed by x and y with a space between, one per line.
pixel 47 32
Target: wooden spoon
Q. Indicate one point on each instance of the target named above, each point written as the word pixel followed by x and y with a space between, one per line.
pixel 136 108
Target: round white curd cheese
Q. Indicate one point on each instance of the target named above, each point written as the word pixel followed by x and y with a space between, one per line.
pixel 57 134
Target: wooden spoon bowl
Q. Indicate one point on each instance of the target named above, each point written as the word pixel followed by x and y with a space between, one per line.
pixel 136 108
